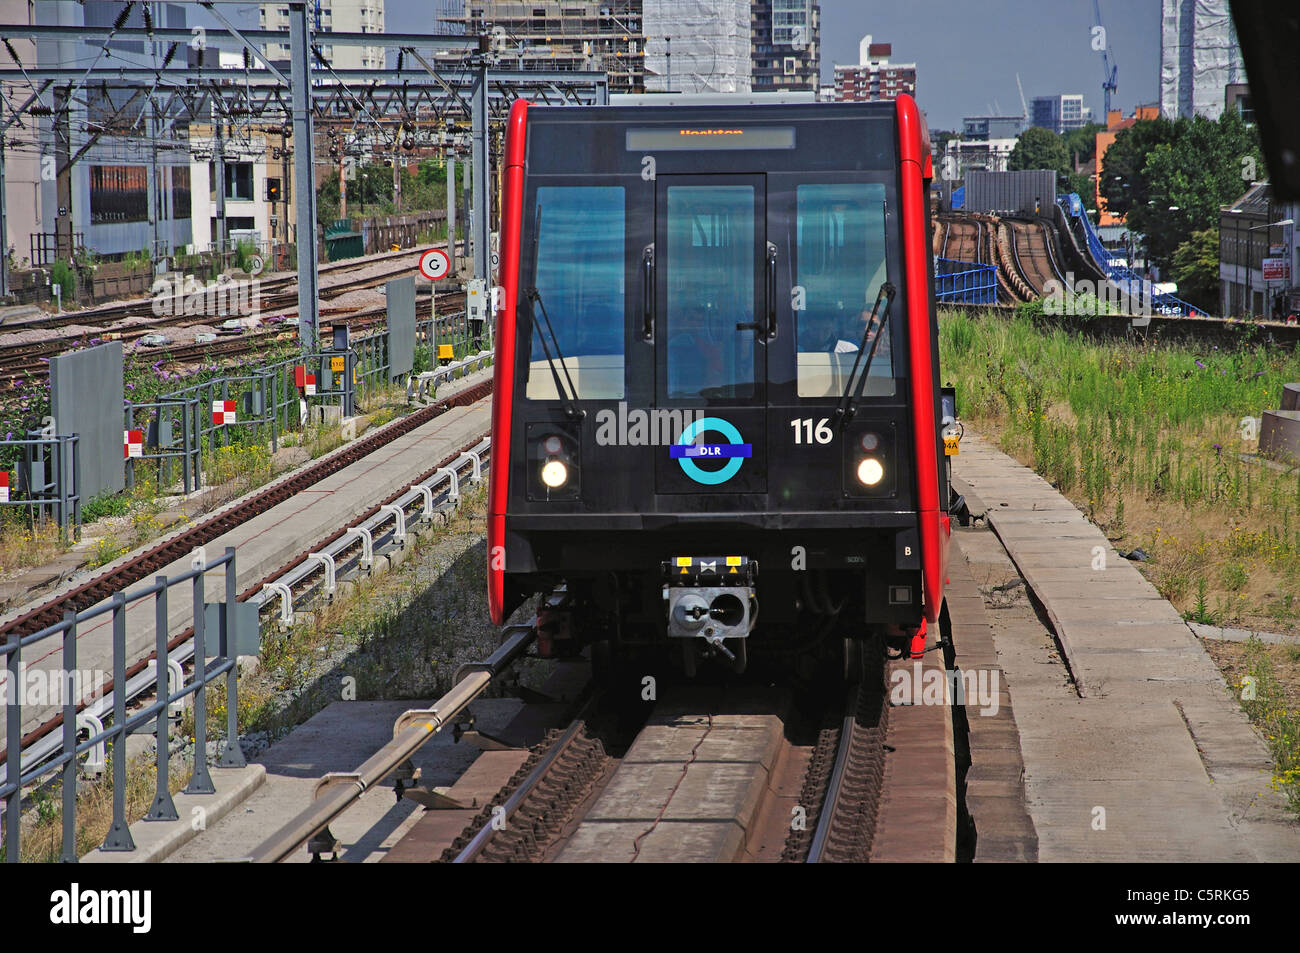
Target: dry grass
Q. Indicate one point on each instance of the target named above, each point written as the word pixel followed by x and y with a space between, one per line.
pixel 1147 441
pixel 23 546
pixel 42 835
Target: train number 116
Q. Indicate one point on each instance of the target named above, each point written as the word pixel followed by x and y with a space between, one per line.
pixel 805 432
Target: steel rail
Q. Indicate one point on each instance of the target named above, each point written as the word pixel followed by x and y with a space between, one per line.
pixel 480 840
pixel 335 793
pixel 830 806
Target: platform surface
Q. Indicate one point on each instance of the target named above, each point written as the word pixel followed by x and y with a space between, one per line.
pixel 1143 755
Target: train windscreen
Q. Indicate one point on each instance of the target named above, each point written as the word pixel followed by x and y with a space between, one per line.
pixel 840 266
pixel 579 279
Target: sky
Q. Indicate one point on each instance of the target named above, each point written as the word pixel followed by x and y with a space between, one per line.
pixel 967 52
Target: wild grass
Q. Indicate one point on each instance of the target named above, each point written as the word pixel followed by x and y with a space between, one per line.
pixel 1152 443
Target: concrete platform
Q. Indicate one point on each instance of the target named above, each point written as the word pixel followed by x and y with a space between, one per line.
pixel 267 542
pixel 689 788
pixel 1133 747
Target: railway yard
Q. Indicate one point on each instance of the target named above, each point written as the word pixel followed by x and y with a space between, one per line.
pixel 1064 718
pixel 1033 729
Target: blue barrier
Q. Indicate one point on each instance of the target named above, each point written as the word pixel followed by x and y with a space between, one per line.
pixel 1124 277
pixel 959 197
pixel 965 282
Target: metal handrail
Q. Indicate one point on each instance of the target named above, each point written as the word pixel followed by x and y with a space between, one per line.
pixel 335 793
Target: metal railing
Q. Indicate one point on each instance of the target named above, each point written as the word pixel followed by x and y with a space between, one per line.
pixel 965 282
pixel 157 714
pixel 49 480
pixel 1133 285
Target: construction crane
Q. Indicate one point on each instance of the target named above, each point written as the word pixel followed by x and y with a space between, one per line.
pixel 1110 82
pixel 1024 106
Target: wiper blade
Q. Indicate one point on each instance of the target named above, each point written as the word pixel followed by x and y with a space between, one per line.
pixel 569 395
pixel 845 410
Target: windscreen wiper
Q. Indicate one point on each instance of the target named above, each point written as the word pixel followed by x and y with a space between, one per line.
pixel 568 397
pixel 845 410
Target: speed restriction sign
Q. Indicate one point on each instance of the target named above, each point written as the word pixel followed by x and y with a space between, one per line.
pixel 434 264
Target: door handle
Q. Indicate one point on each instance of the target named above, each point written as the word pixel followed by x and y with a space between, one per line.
pixel 771 291
pixel 648 293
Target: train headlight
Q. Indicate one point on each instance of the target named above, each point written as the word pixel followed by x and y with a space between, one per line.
pixel 870 441
pixel 870 471
pixel 555 474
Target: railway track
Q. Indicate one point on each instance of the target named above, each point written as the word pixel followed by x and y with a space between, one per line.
pixel 27 360
pixel 1032 254
pixel 150 561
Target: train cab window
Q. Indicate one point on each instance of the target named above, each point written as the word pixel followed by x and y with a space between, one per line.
pixel 579 275
pixel 840 265
pixel 710 267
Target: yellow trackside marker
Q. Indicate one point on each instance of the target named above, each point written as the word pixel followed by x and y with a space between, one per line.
pixel 683 560
pixel 445 352
pixel 950 448
pixel 336 364
pixel 733 560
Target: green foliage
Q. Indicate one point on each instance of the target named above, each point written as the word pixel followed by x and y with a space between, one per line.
pixel 63 275
pixel 1196 269
pixel 107 504
pixel 1081 144
pixel 1171 178
pixel 370 191
pixel 243 252
pixel 1039 148
pixel 1122 183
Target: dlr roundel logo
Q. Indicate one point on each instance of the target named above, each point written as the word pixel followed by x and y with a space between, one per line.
pixel 686 452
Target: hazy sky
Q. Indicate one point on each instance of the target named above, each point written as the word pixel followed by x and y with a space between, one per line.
pixel 967 52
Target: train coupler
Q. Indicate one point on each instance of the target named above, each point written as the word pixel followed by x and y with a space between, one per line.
pixel 710 597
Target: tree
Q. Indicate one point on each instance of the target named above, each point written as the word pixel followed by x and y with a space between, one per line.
pixel 1195 267
pixel 1039 148
pixel 1188 177
pixel 1122 182
pixel 1081 144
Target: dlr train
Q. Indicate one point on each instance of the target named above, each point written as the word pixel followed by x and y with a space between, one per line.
pixel 716 383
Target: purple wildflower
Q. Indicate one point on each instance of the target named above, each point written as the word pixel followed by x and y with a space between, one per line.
pixel 1200 365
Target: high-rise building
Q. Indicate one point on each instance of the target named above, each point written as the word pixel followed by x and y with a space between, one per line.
pixel 1199 57
pixel 697 46
pixel 874 76
pixel 598 35
pixel 785 45
pixel 1060 113
pixel 343 16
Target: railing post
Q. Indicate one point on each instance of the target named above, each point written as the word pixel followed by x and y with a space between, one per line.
pixel 164 808
pixel 13 757
pixel 119 835
pixel 200 780
pixel 68 855
pixel 233 756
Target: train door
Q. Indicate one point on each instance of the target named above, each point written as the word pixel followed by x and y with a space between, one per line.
pixel 709 318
